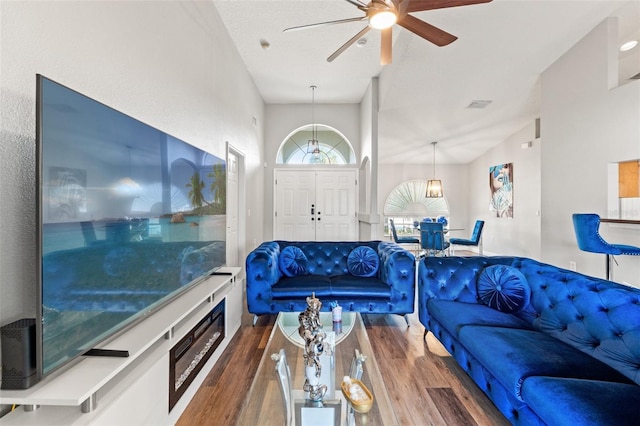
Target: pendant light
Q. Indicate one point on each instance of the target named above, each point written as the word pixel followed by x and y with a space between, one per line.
pixel 127 187
pixel 434 186
pixel 313 146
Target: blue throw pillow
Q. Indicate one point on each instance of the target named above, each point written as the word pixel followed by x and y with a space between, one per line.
pixel 292 262
pixel 363 261
pixel 503 288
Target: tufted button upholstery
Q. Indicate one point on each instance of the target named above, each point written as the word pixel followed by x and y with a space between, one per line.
pixel 391 290
pixel 599 318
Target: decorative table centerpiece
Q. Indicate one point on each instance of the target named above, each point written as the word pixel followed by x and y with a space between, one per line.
pixel 315 345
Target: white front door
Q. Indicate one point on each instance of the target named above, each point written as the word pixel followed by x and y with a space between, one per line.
pixel 336 205
pixel 295 204
pixel 315 205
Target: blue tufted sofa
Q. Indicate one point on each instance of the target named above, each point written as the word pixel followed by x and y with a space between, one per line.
pixel 571 355
pixel 390 290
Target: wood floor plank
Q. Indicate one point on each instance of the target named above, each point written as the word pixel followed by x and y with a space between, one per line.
pixel 452 410
pixel 423 381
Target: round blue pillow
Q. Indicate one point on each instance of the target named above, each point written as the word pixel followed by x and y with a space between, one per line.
pixel 503 288
pixel 292 261
pixel 363 261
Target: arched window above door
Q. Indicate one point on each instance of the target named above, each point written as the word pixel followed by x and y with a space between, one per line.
pixel 332 147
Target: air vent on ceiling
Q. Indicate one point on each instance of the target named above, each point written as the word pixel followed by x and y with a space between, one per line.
pixel 479 104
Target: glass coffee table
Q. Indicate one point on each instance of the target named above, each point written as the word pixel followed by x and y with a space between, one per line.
pixel 264 401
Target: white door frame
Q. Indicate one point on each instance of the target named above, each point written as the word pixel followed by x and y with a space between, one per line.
pixel 238 247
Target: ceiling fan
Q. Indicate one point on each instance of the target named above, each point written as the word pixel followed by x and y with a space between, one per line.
pixel 383 14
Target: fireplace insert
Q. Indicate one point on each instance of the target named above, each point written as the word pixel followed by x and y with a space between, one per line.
pixel 190 354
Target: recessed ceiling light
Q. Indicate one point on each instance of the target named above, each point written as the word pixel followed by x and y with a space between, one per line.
pixel 264 44
pixel 362 42
pixel 628 45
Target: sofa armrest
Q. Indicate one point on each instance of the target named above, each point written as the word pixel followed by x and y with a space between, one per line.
pixel 398 270
pixel 451 278
pixel 262 273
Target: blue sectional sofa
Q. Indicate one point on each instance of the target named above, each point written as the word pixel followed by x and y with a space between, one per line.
pixel 365 276
pixel 546 345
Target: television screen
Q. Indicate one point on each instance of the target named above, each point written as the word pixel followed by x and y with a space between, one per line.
pixel 129 217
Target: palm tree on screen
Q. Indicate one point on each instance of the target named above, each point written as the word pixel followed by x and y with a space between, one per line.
pixel 195 193
pixel 219 184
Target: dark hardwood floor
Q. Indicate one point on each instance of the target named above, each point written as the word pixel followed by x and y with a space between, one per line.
pixel 426 386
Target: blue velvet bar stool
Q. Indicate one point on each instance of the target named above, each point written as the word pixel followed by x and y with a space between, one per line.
pixel 475 240
pixel 586 226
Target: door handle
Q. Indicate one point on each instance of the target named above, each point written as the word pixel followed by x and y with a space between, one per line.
pixel 312 209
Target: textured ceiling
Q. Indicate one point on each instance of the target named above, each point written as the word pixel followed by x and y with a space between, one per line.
pixel 502 49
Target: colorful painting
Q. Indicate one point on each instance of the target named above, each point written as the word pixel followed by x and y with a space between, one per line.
pixel 501 186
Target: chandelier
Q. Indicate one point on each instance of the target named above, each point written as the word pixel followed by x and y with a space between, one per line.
pixel 313 146
pixel 434 186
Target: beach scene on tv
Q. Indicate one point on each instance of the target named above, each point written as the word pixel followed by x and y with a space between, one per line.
pixel 130 217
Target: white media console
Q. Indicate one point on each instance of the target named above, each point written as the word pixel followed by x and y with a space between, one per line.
pixel 132 390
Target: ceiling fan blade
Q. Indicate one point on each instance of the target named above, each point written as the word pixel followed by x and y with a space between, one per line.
pixel 427 31
pixel 401 6
pixel 348 43
pixel 322 24
pixel 420 5
pixel 385 47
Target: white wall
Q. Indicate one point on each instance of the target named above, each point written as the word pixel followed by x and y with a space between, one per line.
pixel 369 216
pixel 520 235
pixel 586 123
pixel 169 64
pixel 280 121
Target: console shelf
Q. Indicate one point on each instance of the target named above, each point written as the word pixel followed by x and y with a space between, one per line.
pixel 148 341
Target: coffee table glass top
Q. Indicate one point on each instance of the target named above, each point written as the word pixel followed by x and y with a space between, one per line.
pixel 264 403
pixel 289 324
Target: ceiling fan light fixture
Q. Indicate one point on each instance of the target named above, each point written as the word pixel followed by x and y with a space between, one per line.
pixel 383 19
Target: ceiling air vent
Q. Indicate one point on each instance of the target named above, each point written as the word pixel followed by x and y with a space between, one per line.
pixel 479 104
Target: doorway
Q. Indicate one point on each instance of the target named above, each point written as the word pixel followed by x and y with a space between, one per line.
pixel 235 205
pixel 316 205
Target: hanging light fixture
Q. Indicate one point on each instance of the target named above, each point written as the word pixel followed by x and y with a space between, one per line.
pixel 313 146
pixel 434 186
pixel 127 186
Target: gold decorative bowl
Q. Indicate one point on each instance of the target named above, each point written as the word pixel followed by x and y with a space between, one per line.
pixel 359 405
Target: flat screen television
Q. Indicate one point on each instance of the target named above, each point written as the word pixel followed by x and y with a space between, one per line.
pixel 129 217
